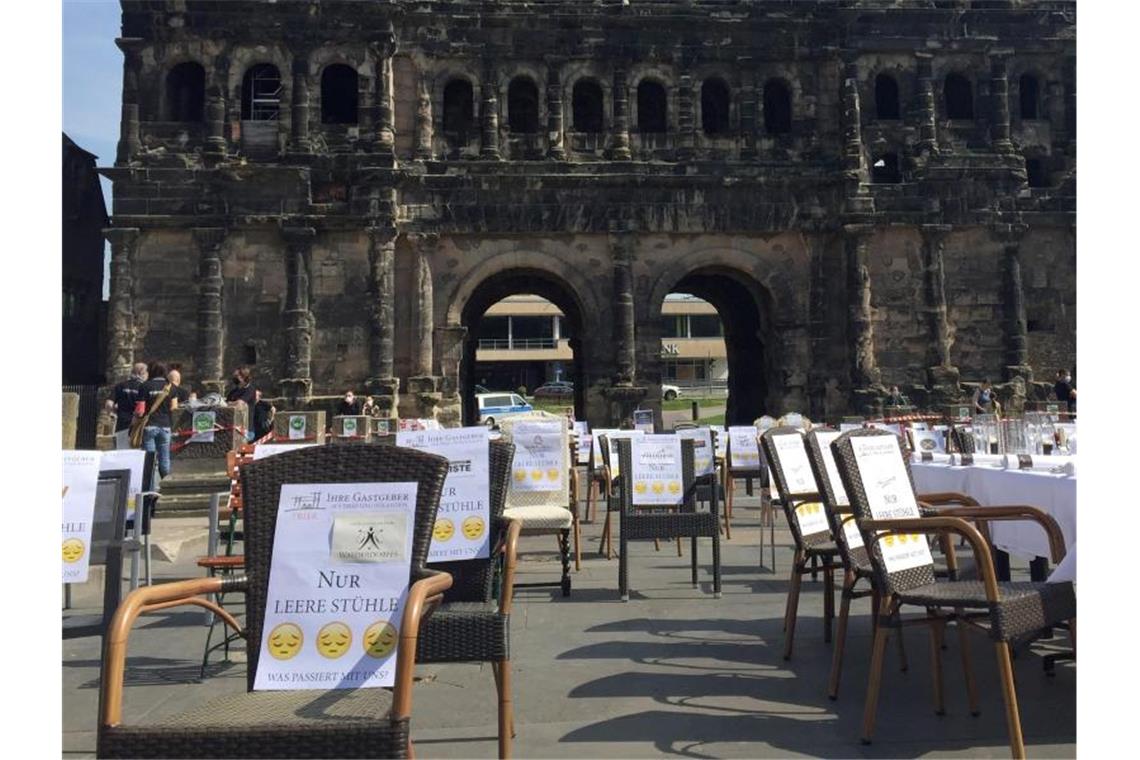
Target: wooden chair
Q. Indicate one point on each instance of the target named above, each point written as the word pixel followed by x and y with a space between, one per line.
pixel 811 533
pixel 108 525
pixel 612 469
pixel 470 625
pixel 1004 611
pixel 545 512
pixel 643 522
pixel 341 723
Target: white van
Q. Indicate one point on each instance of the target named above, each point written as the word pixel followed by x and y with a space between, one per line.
pixel 495 406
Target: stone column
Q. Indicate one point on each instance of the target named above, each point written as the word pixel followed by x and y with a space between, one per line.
pixel 748 120
pixel 861 330
pixel 425 311
pixel 300 140
pixel 211 329
pixel 129 140
pixel 621 247
pixel 1013 296
pixel 423 151
pixel 297 382
pixel 555 138
pixel 854 166
pixel 686 123
pixel 216 122
pixel 121 307
pixel 939 371
pixel 999 98
pixel 385 123
pixel 489 113
pixel 924 86
pixel 620 150
pixel 383 384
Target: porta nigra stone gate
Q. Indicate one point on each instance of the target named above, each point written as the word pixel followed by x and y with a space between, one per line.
pixel 870 192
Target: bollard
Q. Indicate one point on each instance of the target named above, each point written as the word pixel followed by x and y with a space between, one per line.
pixel 696 410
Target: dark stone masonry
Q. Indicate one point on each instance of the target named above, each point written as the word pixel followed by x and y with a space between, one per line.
pixel 870 192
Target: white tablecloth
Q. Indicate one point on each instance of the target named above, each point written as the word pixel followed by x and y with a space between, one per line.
pixel 1055 494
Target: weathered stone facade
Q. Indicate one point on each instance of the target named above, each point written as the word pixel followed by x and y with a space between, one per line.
pixel 870 192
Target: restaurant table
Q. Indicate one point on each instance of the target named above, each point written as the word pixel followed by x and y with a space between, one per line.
pixel 1053 493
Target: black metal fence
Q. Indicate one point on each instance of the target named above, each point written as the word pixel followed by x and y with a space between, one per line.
pixel 88 421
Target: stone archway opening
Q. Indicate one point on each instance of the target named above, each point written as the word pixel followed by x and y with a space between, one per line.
pixel 524 329
pixel 741 305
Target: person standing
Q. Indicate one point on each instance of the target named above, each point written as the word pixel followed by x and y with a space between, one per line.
pixel 984 399
pixel 349 405
pixel 125 397
pixel 1065 391
pixel 180 394
pixel 262 416
pixel 157 393
pixel 243 389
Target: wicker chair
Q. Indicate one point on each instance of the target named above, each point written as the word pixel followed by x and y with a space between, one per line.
pixel 665 522
pixel 799 502
pixel 469 625
pixel 543 513
pixel 608 439
pixel 356 723
pixel 1004 611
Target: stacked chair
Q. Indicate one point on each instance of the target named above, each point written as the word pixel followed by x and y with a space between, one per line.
pixel 1004 611
pixel 341 723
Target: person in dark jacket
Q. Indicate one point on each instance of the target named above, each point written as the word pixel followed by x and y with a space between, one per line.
pixel 243 388
pixel 349 405
pixel 157 393
pixel 263 413
pixel 1065 391
pixel 125 397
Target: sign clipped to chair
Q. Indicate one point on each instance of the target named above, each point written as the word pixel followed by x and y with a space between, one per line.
pixel 462 524
pixel 890 495
pixel 703 463
pixel 656 477
pixel 850 527
pixel 796 469
pixel 80 478
pixel 337 585
pixel 743 450
pixel 539 460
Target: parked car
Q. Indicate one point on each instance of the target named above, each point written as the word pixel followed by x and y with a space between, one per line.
pixel 554 389
pixel 482 389
pixel 670 392
pixel 497 406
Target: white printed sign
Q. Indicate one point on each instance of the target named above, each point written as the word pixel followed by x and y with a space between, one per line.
pixel 341 558
pixel 848 426
pixel 585 445
pixel 297 427
pixel 581 427
pixel 202 423
pixel 80 480
pixel 794 463
pixel 889 493
pixel 643 420
pixel 462 524
pixel 615 465
pixel 929 441
pixel 348 427
pixel 263 450
pixel 742 447
pixel 656 469
pixel 850 528
pixel 703 463
pixel 127 459
pixel 721 442
pixel 812 518
pixel 596 444
pixel 540 461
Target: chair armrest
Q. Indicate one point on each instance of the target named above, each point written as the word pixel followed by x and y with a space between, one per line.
pixel 423 596
pixel 149 599
pixel 948 497
pixel 509 549
pixel 1018 512
pixel 978 544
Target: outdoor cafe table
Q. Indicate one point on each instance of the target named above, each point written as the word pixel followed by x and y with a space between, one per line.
pixel 1053 493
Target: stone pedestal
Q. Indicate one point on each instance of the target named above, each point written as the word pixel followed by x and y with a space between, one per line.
pixel 70 419
pixel 352 429
pixel 234 421
pixel 385 392
pixel 622 400
pixel 422 399
pixel 311 430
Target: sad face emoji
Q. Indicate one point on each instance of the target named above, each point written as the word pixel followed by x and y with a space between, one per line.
pixel 284 641
pixel 380 639
pixel 639 487
pixel 674 487
pixel 658 487
pixel 72 550
pixel 536 475
pixel 473 527
pixel 444 529
pixel 520 476
pixel 552 474
pixel 333 640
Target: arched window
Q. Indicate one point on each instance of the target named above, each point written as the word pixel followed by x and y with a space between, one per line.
pixel 714 107
pixel 458 108
pixel 652 107
pixel 1035 171
pixel 1029 96
pixel 339 93
pixel 587 106
pixel 777 108
pixel 885 169
pixel 186 92
pixel 886 97
pixel 261 93
pixel 522 106
pixel 959 95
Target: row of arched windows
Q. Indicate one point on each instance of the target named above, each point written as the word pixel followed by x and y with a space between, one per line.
pixel 261 101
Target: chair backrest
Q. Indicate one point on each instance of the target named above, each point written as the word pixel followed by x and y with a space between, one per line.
pixel 261 490
pixel 784 450
pixel 561 495
pixel 742 455
pixel 963 439
pixel 472 579
pixel 835 502
pixel 626 486
pixel 876 475
pixel 608 448
pixel 108 524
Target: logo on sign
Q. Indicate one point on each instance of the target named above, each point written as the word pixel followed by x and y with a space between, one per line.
pixel 297 423
pixel 306 503
pixel 203 423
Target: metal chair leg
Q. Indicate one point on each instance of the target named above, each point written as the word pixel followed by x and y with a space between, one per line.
pixel 936 666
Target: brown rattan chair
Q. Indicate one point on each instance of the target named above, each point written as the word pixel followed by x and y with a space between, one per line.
pixel 658 523
pixel 1005 611
pixel 348 723
pixel 798 506
pixel 470 625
